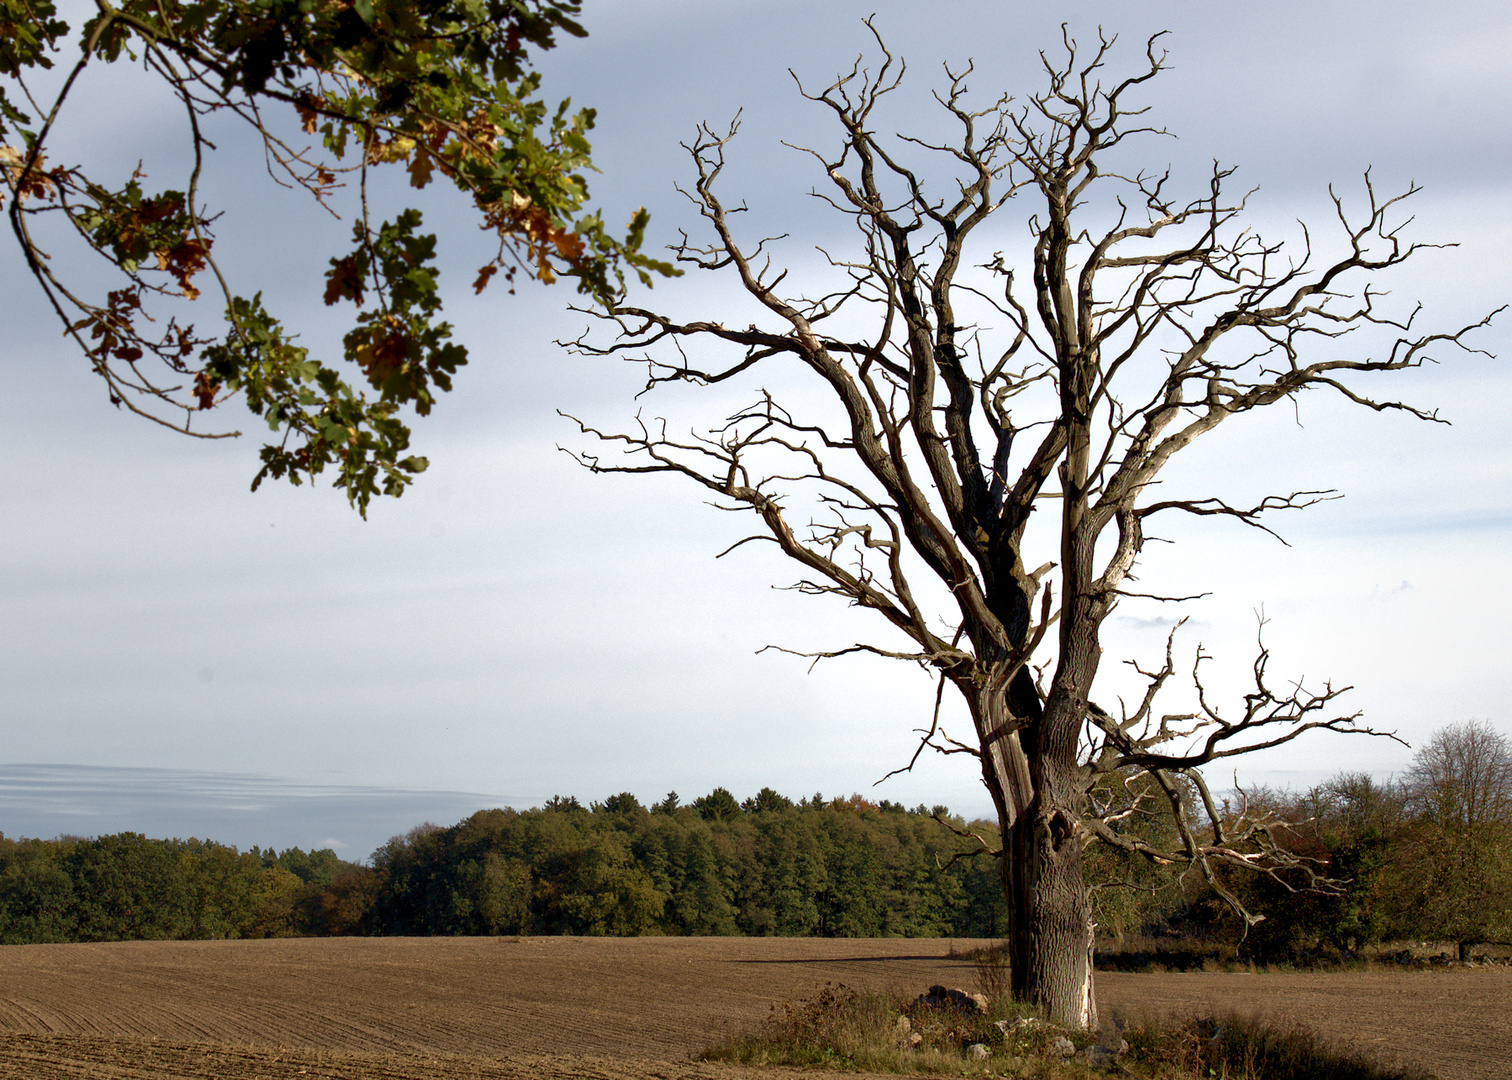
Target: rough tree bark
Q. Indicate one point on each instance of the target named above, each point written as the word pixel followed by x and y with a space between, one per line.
pixel 966 416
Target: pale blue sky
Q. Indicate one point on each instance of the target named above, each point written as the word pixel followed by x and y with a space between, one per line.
pixel 515 628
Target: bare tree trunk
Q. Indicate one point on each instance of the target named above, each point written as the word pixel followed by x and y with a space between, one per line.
pixel 1050 947
pixel 1049 916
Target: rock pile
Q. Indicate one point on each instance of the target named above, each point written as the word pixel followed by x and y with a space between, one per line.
pixel 944 1015
pixel 938 997
pixel 1056 1041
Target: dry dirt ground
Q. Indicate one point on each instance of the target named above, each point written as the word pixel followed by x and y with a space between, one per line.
pixel 632 1008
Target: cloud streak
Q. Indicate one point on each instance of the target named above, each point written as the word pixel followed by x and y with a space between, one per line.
pixel 243 809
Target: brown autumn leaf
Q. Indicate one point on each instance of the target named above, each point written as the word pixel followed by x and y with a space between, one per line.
pixel 204 389
pixel 186 343
pixel 569 244
pixel 183 261
pixel 343 282
pixel 420 169
pixel 38 183
pixel 308 117
pixel 484 276
pixel 153 211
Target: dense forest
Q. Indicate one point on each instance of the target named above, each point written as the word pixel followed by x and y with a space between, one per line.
pixel 1428 857
pixel 838 867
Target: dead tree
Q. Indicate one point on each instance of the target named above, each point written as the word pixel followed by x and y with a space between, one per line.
pixel 963 415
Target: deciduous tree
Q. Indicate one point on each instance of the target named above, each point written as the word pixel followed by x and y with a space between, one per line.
pixel 957 416
pixel 331 92
pixel 1454 863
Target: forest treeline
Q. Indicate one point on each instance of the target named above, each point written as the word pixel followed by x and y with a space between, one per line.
pixel 835 867
pixel 127 887
pixel 1425 857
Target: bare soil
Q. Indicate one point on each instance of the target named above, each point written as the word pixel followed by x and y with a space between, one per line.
pixel 632 1008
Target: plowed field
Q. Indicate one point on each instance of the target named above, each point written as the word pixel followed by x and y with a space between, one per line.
pixel 501 1009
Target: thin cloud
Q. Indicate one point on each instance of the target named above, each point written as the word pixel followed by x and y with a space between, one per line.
pixel 245 810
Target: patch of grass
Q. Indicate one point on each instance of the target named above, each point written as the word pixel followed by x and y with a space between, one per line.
pixel 1238 1047
pixel 846 1029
